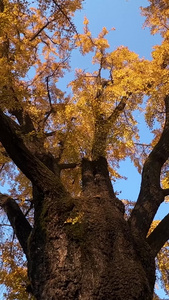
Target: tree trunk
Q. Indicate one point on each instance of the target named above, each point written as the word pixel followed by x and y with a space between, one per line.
pixel 82 248
pixel 85 250
pixel 88 253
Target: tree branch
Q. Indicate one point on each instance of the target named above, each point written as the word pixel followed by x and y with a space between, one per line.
pixel 95 178
pixel 28 163
pixel 20 224
pixel 40 30
pixel 159 236
pixel 1 6
pixel 51 133
pixel 22 117
pixel 166 192
pixel 67 166
pixel 119 108
pixel 24 120
pixel 66 17
pixel 102 128
pixel 151 194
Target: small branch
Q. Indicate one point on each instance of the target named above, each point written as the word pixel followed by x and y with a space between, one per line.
pixel 119 108
pixel 68 166
pixel 48 134
pixel 143 144
pixel 159 236
pixel 19 223
pixel 40 30
pixel 66 17
pixel 48 22
pixel 49 96
pixel 166 192
pixel 101 65
pixel 1 168
pixel 111 75
pixel 48 113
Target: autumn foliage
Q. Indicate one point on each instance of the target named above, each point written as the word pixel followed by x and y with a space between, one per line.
pixel 95 118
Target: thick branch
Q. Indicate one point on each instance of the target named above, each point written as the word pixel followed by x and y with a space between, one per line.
pixel 22 117
pixel 95 178
pixel 151 194
pixel 1 6
pixel 24 120
pixel 159 236
pixel 20 224
pixel 166 192
pixel 117 111
pixel 28 163
pixel 67 166
pixel 96 182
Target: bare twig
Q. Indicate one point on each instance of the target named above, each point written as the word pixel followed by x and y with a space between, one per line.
pixel 2 167
pixel 49 96
pixel 66 17
pixel 40 30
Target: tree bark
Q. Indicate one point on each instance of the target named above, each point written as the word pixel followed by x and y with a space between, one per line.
pixel 88 253
pixel 151 194
pixel 21 226
pixel 84 249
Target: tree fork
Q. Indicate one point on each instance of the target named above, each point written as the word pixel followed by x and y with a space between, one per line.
pixel 29 164
pixel 151 194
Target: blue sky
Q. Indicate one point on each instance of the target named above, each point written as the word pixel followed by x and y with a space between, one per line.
pixel 125 17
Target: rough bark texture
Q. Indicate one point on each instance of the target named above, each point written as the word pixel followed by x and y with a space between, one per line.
pixel 151 194
pixel 95 258
pixel 18 221
pixel 84 248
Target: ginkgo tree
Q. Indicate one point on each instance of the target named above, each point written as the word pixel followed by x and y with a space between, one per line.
pixel 60 153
